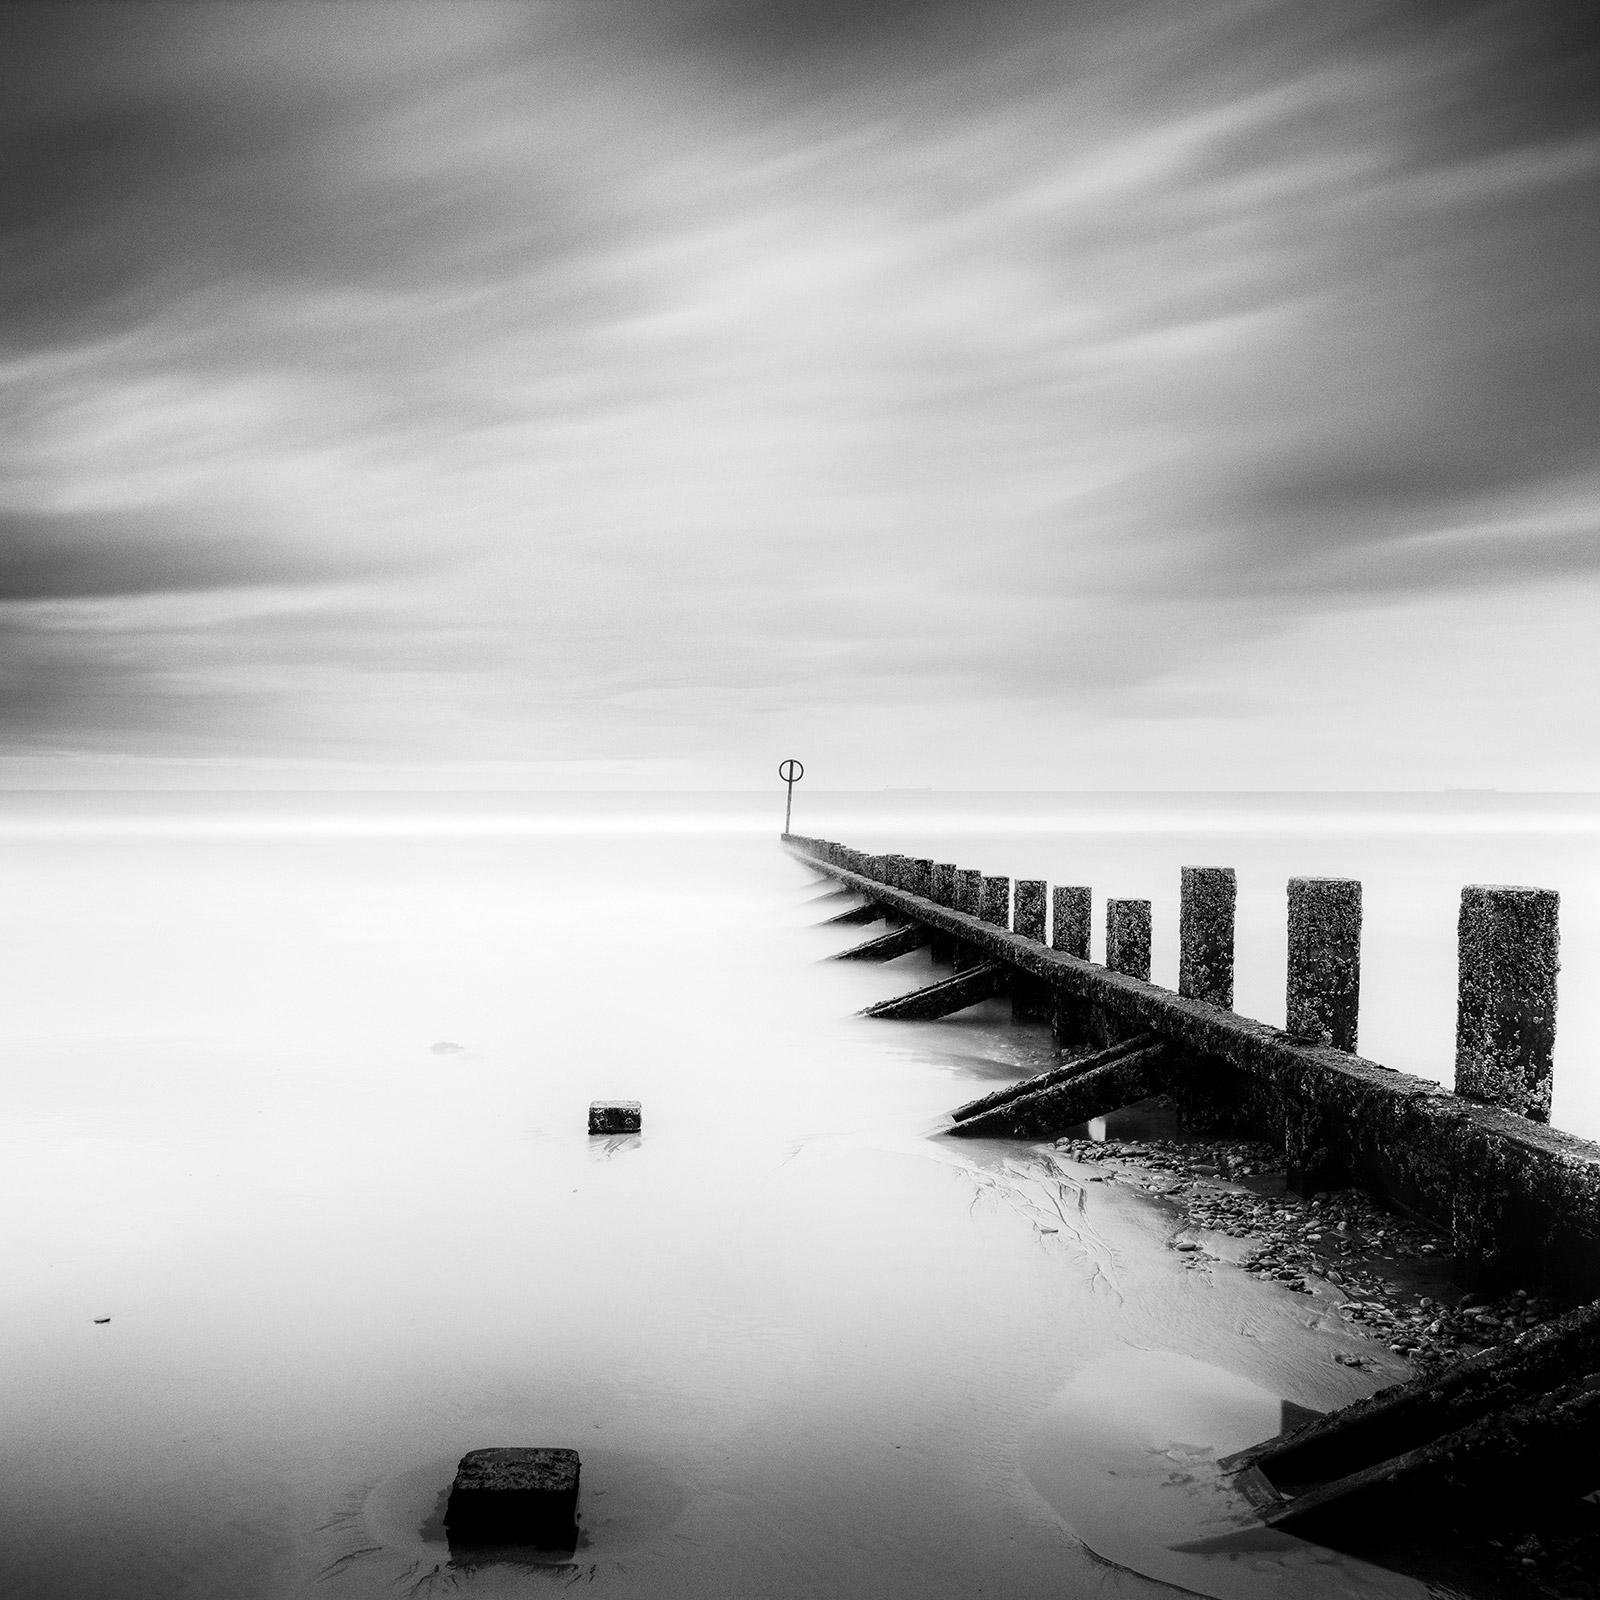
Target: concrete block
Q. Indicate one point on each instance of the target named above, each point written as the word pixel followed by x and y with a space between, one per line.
pixel 515 1496
pixel 1508 956
pixel 615 1116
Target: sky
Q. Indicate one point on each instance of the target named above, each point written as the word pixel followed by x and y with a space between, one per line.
pixel 1098 394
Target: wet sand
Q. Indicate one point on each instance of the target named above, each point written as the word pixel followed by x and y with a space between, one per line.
pixel 303 1119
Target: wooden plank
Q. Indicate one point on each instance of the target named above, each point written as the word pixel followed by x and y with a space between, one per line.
pixel 1048 1080
pixel 872 912
pixel 941 999
pixel 887 946
pixel 1048 1113
pixel 1408 1415
pixel 1521 1455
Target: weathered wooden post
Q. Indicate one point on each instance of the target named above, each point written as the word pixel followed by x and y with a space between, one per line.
pixel 996 906
pixel 1028 919
pixel 1205 934
pixel 895 867
pixel 1029 997
pixel 1322 1003
pixel 1508 947
pixel 969 899
pixel 942 892
pixel 1128 937
pixel 921 877
pixel 1071 911
pixel 1323 999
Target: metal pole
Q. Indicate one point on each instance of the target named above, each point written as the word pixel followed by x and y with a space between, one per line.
pixel 791 771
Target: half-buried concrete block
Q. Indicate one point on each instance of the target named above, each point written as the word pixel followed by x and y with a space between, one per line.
pixel 515 1496
pixel 615 1116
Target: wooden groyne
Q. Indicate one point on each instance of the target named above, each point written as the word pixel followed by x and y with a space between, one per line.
pixel 1508 1433
pixel 1519 1201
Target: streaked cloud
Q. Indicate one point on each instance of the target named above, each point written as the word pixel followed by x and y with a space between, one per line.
pixel 646 384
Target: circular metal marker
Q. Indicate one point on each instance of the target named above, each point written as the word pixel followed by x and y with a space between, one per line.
pixel 791 771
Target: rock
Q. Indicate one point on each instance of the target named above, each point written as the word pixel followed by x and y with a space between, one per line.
pixel 615 1116
pixel 515 1495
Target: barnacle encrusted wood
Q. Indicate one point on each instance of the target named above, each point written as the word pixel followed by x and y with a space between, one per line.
pixel 1205 934
pixel 1128 937
pixel 1072 907
pixel 1323 992
pixel 1520 1200
pixel 1509 953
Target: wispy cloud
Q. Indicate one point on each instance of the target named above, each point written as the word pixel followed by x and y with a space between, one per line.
pixel 633 382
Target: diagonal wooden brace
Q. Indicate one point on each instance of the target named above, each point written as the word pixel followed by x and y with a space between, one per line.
pixel 1048 1113
pixel 871 912
pixel 1048 1080
pixel 899 943
pixel 940 999
pixel 1520 1455
pixel 1410 1414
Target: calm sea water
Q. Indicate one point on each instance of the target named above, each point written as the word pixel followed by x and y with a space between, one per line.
pixel 302 1205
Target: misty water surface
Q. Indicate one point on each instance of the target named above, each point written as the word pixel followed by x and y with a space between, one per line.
pixel 303 1208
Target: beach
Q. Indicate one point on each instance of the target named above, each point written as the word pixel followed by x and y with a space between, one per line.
pixel 294 1108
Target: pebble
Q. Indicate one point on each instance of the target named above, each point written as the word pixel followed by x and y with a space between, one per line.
pixel 1334 1239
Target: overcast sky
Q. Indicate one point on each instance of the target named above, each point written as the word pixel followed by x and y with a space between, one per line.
pixel 1186 394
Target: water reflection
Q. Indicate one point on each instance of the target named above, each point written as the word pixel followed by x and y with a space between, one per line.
pixel 1127 1455
pixel 603 1147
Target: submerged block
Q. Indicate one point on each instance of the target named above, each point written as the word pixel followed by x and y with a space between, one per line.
pixel 615 1116
pixel 515 1496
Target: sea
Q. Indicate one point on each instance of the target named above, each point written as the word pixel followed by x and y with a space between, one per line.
pixel 301 1203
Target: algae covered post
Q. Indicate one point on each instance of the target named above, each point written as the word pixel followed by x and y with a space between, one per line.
pixel 1323 999
pixel 1070 916
pixel 1205 935
pixel 1509 954
pixel 1128 937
